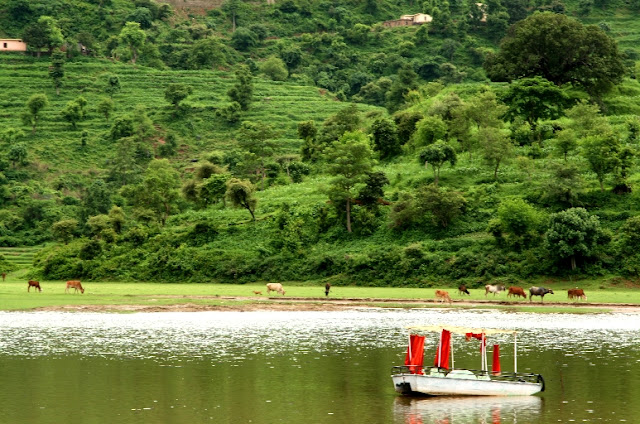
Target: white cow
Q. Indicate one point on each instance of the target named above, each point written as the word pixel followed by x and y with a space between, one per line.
pixel 276 287
pixel 489 288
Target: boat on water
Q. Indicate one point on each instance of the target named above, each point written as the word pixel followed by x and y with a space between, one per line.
pixel 413 378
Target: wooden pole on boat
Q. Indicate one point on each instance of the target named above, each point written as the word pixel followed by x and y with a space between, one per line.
pixel 440 351
pixel 515 352
pixel 453 361
pixel 483 351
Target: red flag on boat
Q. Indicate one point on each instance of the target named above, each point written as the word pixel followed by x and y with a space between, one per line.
pixel 496 360
pixel 444 348
pixel 415 354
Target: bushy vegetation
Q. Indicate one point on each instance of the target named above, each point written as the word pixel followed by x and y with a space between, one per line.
pixel 305 140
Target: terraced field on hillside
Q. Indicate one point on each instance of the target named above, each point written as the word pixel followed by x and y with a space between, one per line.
pixel 55 147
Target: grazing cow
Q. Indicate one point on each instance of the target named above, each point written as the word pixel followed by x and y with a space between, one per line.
pixel 538 291
pixel 516 292
pixel 276 287
pixel 34 284
pixel 4 275
pixel 327 287
pixel 577 294
pixel 442 295
pixel 74 284
pixel 257 292
pixel 463 289
pixel 490 288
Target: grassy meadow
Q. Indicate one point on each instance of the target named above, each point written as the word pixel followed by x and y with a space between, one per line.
pixel 14 295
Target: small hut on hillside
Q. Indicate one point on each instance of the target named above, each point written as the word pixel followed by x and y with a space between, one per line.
pixel 408 20
pixel 12 45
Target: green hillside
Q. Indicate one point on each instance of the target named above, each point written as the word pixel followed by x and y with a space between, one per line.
pixel 462 184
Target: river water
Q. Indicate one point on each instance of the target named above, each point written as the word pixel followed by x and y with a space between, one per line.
pixel 302 367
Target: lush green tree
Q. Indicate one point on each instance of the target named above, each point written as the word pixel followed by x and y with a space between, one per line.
pixel 348 160
pixel 517 221
pixel 573 234
pixel 213 189
pixel 443 206
pixel 405 81
pixel 241 195
pixel 346 119
pixel 585 120
pixel 158 190
pixel 105 107
pixel 111 84
pixel 133 37
pixel 233 8
pixel 602 154
pixel 373 190
pixel 559 49
pixel 242 90
pixel 565 142
pixel 72 113
pixel 406 123
pixel 18 154
pixel 384 134
pixel 485 110
pixel 429 130
pixel 437 154
pixel 307 131
pixel 35 104
pixel 44 33
pixel 275 69
pixel 56 70
pixel 496 148
pixel 97 199
pixel 175 93
pixel 118 218
pixel 244 39
pixel 64 230
pixel 122 127
pixel 258 139
pixel 562 186
pixel 534 99
pixel 206 53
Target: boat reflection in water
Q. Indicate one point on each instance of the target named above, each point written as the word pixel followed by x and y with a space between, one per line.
pixel 467 410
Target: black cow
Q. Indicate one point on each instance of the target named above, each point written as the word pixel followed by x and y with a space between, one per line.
pixel 538 291
pixel 463 289
pixel 327 287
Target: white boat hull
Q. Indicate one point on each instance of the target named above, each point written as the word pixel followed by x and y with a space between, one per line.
pixel 444 386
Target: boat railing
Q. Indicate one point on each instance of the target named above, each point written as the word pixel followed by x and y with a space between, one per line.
pixel 480 374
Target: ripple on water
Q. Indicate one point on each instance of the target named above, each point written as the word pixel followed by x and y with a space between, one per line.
pixel 202 334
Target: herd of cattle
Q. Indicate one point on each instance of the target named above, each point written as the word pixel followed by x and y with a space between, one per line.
pixel 514 291
pixel 74 284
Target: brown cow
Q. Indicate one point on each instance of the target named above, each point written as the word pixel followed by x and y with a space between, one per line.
pixel 576 294
pixel 75 285
pixel 516 292
pixel 463 289
pixel 35 284
pixel 4 275
pixel 442 295
pixel 327 287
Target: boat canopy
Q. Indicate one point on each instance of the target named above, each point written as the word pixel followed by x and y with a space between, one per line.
pixel 457 330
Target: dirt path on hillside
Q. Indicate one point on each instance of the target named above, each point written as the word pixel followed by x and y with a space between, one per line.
pixel 239 303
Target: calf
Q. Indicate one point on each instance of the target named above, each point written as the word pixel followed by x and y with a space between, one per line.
pixel 463 289
pixel 442 295
pixel 34 284
pixel 327 287
pixel 489 288
pixel 276 287
pixel 538 291
pixel 257 292
pixel 4 275
pixel 74 284
pixel 516 291
pixel 577 294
